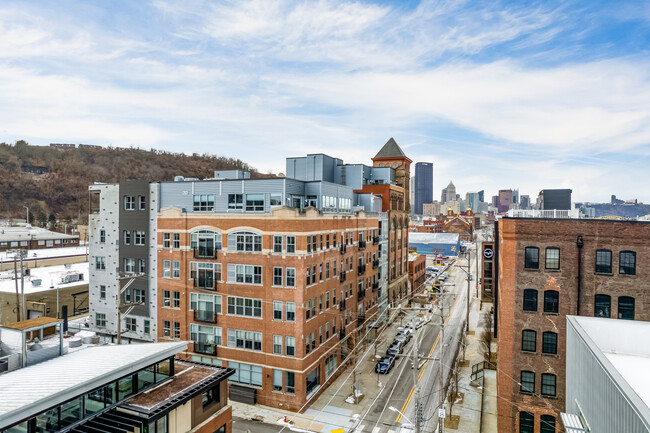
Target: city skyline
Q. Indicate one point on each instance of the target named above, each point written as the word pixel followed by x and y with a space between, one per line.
pixel 550 96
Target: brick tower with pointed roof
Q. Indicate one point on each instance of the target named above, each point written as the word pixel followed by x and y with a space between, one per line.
pixel 391 155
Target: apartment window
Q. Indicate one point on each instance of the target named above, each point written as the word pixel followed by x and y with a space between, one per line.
pixel 129 202
pixel 100 263
pixel 102 236
pixel 327 300
pixel 291 346
pixel 277 310
pixel 334 297
pixel 277 276
pixel 527 382
pixel 245 373
pixel 529 340
pixel 327 330
pixel 166 240
pixel 166 269
pixel 203 202
pixel 320 335
pixel 291 311
pixel 308 309
pixel 308 275
pixel 334 268
pixel 177 240
pixel 327 270
pixel 551 301
pixel 531 258
pixel 277 344
pixel 547 424
pixel 526 422
pixel 176 269
pixel 129 265
pixel 139 238
pixel 277 244
pixel 177 330
pixel 247 274
pixel 147 327
pixel 247 307
pixel 100 319
pixel 327 241
pixel 530 300
pixel 131 324
pixel 313 243
pixel 291 277
pixel 138 296
pixel 166 298
pixel 176 299
pixel 142 202
pixel 321 242
pixel 254 202
pixel 604 261
pixel 167 325
pixel 603 306
pixel 552 258
pixel 102 292
pixel 626 308
pixel 549 343
pixel 205 303
pixel 309 243
pixel 320 303
pixel 548 384
pixel 245 339
pixel 277 380
pixel 235 201
pixel 627 263
pixel 291 244
pixel 291 382
pixel 313 274
pixel 276 199
pixel 307 343
pixel 247 242
pixel 141 266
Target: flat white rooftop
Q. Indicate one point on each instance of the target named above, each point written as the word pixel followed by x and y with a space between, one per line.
pixel 46 253
pixel 50 277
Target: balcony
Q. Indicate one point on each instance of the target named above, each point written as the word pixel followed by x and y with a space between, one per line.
pixel 205 283
pixel 342 277
pixel 205 348
pixel 362 245
pixel 375 286
pixel 343 249
pixel 205 253
pixel 342 305
pixel 205 316
pixel 360 319
pixel 375 240
pixel 361 294
pixel 375 263
pixel 361 270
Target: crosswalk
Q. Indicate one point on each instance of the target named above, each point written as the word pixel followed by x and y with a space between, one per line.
pixel 362 429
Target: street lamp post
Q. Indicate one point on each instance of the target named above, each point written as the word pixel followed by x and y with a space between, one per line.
pixel 27 215
pixel 394 409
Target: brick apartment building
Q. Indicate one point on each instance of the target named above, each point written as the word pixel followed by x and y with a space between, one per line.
pixel 548 269
pixel 417 271
pixel 276 278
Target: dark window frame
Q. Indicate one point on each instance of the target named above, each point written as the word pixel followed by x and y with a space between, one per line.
pixel 528 263
pixel 547 424
pixel 624 267
pixel 599 303
pixel 526 422
pixel 624 299
pixel 547 386
pixel 546 263
pixel 601 266
pixel 548 347
pixel 549 302
pixel 529 302
pixel 526 342
pixel 523 384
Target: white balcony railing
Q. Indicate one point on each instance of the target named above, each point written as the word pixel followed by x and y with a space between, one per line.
pixel 549 213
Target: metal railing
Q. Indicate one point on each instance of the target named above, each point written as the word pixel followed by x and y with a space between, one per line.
pixel 205 284
pixel 205 316
pixel 539 213
pixel 205 348
pixel 361 269
pixel 205 253
pixel 362 245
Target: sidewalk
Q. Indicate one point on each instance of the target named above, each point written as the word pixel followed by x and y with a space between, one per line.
pixel 476 398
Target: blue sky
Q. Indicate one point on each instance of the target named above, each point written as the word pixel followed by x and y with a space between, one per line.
pixel 496 94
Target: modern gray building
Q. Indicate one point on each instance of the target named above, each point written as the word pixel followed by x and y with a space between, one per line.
pixel 558 199
pixel 607 380
pixel 423 185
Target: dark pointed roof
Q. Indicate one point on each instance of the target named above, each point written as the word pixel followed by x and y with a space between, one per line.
pixel 390 150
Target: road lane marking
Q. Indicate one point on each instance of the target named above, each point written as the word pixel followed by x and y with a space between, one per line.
pixel 376 430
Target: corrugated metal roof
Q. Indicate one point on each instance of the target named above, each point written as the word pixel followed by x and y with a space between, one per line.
pixel 572 423
pixel 30 390
pixel 433 238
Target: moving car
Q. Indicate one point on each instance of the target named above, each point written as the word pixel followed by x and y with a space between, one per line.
pixel 384 365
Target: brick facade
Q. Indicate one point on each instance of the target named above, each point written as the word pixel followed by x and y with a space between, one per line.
pixel 556 273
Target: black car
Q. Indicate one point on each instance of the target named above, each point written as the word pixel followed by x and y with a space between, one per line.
pixel 385 364
pixel 395 349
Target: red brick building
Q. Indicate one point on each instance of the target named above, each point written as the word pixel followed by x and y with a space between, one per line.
pixel 547 269
pixel 417 271
pixel 271 295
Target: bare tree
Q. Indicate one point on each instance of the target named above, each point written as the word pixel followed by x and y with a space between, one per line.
pixel 486 336
pixel 454 381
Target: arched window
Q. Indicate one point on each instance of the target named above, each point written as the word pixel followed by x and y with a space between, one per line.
pixel 547 424
pixel 604 261
pixel 602 306
pixel 526 422
pixel 549 343
pixel 551 301
pixel 244 241
pixel 530 300
pixel 626 307
pixel 205 243
pixel 531 259
pixel 627 263
pixel 528 340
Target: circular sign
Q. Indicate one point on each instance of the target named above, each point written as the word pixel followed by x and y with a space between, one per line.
pixel 488 253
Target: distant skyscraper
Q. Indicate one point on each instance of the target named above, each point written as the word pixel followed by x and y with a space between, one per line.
pixel 423 185
pixel 505 200
pixel 524 202
pixel 481 195
pixel 515 196
pixel 472 201
pixel 449 193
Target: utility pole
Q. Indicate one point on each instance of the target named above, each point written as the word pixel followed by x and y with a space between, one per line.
pixel 22 283
pixel 441 397
pixel 18 305
pixel 469 268
pixel 414 368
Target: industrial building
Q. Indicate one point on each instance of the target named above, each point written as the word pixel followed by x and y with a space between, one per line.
pixel 607 381
pixel 32 238
pixel 436 244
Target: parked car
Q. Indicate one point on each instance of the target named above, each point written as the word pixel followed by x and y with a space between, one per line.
pixel 443 276
pixel 385 364
pixel 403 337
pixel 395 349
